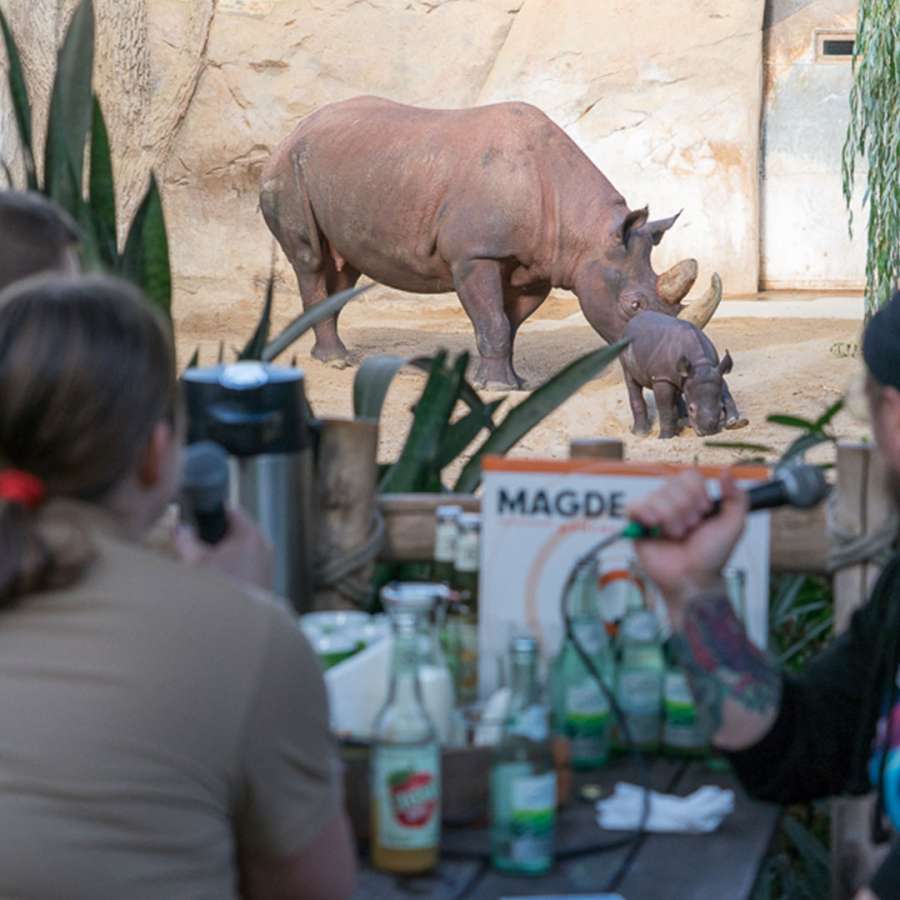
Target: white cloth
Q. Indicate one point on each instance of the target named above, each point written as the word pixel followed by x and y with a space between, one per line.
pixel 700 812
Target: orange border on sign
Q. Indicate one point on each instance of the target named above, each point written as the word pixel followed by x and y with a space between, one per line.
pixel 614 467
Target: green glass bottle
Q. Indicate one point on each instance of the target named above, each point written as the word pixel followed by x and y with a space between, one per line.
pixel 462 623
pixel 639 682
pixel 523 777
pixel 581 711
pixel 445 537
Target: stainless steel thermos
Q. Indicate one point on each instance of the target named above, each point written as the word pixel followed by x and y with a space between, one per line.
pixel 259 414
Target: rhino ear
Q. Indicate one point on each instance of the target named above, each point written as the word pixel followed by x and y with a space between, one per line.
pixel 684 367
pixel 726 364
pixel 635 219
pixel 659 227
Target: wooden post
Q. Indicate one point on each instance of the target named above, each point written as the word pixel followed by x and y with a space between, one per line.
pixel 348 478
pixel 863 505
pixel 597 448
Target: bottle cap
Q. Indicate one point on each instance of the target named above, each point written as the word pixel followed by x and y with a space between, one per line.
pixel 413 596
pixel 448 513
pixel 469 522
pixel 640 625
pixel 523 645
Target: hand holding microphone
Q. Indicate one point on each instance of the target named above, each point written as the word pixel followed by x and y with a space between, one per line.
pixel 698 534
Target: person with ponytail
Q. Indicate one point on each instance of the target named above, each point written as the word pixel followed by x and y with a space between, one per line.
pixel 164 725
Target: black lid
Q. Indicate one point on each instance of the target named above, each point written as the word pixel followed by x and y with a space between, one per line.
pixel 250 408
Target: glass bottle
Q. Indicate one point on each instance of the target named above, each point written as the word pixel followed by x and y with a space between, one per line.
pixel 405 775
pixel 639 686
pixel 463 621
pixel 580 708
pixel 685 732
pixel 523 777
pixel 445 536
pixel 435 679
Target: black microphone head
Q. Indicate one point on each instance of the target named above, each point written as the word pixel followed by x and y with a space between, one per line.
pixel 204 476
pixel 805 485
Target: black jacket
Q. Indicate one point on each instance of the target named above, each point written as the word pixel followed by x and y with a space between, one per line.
pixel 821 741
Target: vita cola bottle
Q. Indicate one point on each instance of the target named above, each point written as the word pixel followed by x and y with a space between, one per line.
pixel 405 774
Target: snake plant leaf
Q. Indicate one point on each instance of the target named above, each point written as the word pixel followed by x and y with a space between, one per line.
pixel 256 346
pixel 145 260
pixel 536 407
pixel 792 422
pixel 417 468
pixel 102 189
pixel 18 90
pixel 371 384
pixel 194 361
pixel 461 433
pixel 829 414
pixel 69 118
pixel 467 394
pixel 310 317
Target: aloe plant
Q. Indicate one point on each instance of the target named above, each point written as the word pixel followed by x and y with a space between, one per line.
pixel 435 439
pixel 76 129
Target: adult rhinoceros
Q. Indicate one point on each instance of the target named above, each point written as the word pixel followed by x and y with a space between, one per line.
pixel 496 203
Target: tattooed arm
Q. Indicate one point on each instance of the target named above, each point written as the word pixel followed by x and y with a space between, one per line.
pixel 733 682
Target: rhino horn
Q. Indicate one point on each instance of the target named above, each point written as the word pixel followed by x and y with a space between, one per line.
pixel 701 311
pixel 673 285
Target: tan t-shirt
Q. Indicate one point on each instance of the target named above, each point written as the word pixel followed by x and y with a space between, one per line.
pixel 152 719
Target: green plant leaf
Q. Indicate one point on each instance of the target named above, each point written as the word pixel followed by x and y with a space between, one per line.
pixel 416 467
pixel 221 356
pixel 194 361
pixel 371 384
pixel 102 197
pixel 468 394
pixel 145 260
pixel 69 118
pixel 537 406
pixel 792 422
pixel 310 317
pixel 18 90
pixel 740 445
pixel 462 432
pixel 256 346
pixel 829 414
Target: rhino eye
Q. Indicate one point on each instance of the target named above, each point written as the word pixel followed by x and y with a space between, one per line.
pixel 635 305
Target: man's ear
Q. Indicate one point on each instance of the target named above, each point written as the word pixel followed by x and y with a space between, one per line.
pixel 152 460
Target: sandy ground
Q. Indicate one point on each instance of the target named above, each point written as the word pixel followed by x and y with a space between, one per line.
pixel 790 361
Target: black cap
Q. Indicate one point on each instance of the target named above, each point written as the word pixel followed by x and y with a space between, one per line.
pixel 250 408
pixel 881 343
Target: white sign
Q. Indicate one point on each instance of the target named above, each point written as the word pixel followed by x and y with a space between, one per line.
pixel 539 517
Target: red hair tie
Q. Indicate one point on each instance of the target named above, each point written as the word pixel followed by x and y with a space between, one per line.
pixel 21 487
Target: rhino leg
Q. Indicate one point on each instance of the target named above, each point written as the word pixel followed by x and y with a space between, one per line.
pixel 480 288
pixel 667 408
pixel 519 304
pixel 314 288
pixel 733 419
pixel 637 403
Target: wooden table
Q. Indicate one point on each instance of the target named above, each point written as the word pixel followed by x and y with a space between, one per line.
pixel 719 866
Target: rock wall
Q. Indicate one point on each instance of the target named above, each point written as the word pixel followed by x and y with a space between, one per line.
pixel 665 97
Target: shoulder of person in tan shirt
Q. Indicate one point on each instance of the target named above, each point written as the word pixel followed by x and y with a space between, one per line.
pixel 167 720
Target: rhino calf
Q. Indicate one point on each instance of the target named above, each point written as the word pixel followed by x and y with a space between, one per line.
pixel 679 363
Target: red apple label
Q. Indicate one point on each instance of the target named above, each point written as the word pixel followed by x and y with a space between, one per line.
pixel 413 797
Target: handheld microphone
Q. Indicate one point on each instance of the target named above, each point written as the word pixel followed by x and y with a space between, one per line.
pixel 204 489
pixel 800 486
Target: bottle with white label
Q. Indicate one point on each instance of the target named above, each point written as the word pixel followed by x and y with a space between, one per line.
pixel 581 711
pixel 462 621
pixel 445 536
pixel 639 685
pixel 685 731
pixel 523 777
pixel 405 766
